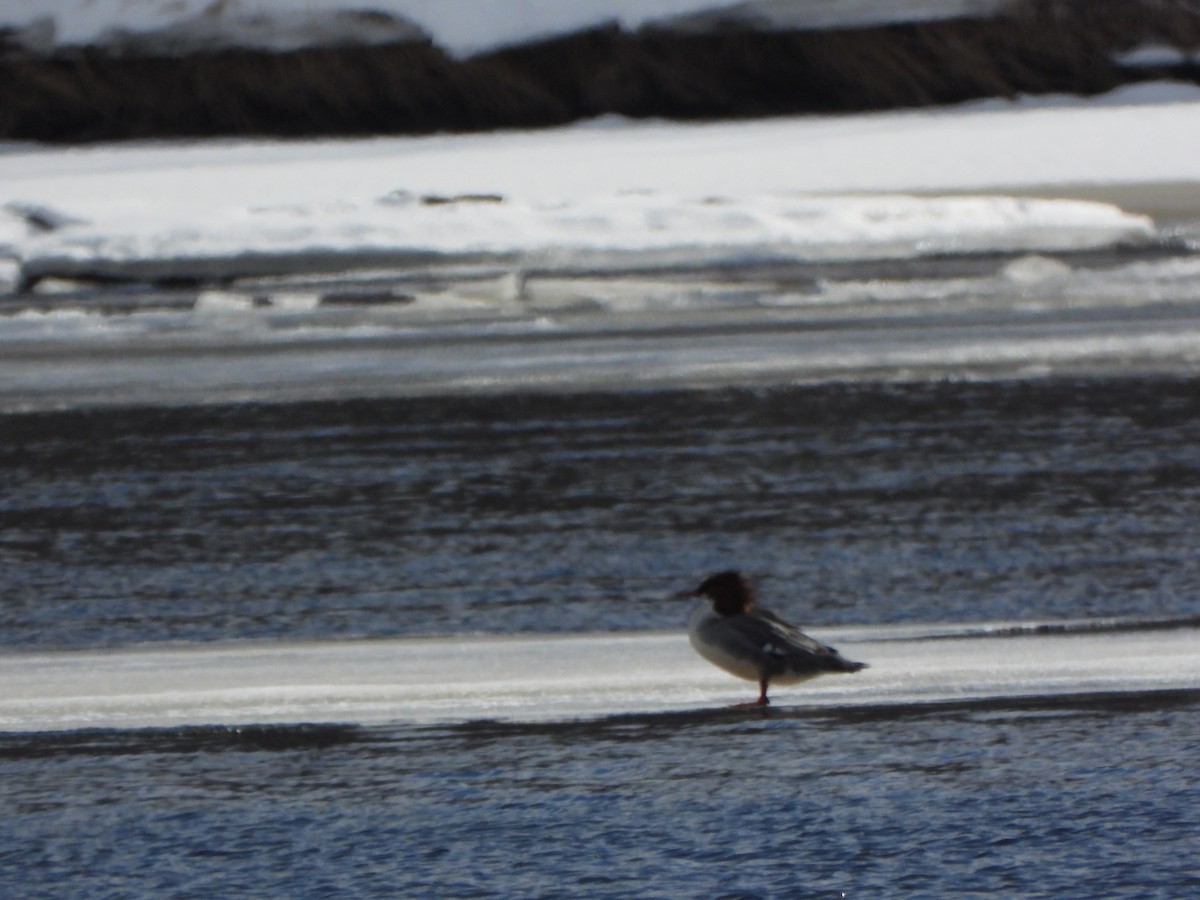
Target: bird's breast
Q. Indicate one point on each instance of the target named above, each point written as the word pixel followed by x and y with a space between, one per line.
pixel 718 645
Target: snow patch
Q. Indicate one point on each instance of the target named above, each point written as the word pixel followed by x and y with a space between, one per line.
pixel 1035 269
pixel 1156 55
pixel 217 28
pixel 783 15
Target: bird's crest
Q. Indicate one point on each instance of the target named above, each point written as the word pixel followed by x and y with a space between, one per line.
pixel 729 592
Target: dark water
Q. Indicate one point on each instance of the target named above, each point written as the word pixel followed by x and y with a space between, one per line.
pixel 853 503
pixel 1073 797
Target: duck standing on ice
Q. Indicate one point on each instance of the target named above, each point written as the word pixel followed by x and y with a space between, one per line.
pixel 754 643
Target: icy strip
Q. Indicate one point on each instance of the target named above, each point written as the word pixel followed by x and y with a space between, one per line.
pixel 553 678
pixel 237 358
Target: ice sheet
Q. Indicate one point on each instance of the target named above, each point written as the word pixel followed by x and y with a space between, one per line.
pixel 532 678
pixel 238 357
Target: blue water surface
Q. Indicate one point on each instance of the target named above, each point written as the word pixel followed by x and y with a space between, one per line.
pixel 860 503
pixel 1067 797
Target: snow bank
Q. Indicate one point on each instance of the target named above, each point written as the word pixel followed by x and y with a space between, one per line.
pixel 613 230
pixel 717 191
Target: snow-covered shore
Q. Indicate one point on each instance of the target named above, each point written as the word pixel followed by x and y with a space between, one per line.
pixel 471 261
pixel 609 193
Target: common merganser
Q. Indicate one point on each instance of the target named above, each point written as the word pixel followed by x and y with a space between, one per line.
pixel 753 643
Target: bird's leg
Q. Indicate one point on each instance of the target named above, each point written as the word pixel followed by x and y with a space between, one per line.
pixel 762 697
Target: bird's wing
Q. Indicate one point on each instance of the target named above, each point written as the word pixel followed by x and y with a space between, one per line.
pixel 788 634
pixel 767 641
pixel 761 642
pixel 789 650
pixel 739 634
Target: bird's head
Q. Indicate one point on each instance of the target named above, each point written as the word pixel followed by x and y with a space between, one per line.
pixel 729 592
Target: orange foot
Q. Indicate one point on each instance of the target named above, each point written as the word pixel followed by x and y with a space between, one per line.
pixel 761 701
